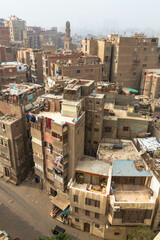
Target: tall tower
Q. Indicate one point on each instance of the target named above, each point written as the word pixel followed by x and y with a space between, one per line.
pixel 67 38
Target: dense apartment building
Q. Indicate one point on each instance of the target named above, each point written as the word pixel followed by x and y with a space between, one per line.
pixel 94 106
pixel 98 191
pixel 87 67
pixel 13 163
pixel 16 150
pixel 124 121
pixel 12 72
pixel 101 48
pixel 130 55
pixel 17 27
pixel 23 56
pixel 4 36
pixel 36 66
pixel 50 59
pixel 150 83
pixel 31 37
pixel 57 141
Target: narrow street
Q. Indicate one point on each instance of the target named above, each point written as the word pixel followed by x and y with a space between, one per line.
pixel 24 213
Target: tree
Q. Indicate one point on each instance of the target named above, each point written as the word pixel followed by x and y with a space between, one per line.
pixel 141 233
pixel 60 236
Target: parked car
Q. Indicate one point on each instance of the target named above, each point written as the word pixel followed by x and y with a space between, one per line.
pixel 56 230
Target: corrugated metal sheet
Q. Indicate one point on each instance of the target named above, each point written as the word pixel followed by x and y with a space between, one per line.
pixel 126 168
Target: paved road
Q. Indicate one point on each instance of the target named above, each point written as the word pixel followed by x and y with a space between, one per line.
pixel 24 213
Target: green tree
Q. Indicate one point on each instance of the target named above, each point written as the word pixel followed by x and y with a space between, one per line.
pixel 60 236
pixel 141 233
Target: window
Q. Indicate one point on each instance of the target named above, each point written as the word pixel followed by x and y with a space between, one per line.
pixel 92 202
pixel 75 198
pixel 134 73
pixel 125 129
pixel 148 214
pixel 135 49
pixel 97 215
pixel 87 213
pixel 76 220
pixel 118 214
pixel 152 49
pixel 89 141
pixel 49 170
pixel 107 49
pixel 95 142
pixel 3 127
pixel 108 129
pixel 153 40
pixel 116 233
pixel 97 103
pixel 78 71
pixel 106 58
pixel 144 65
pixel 76 210
pixel 96 129
pixel 96 225
pixel 145 49
pixel 145 57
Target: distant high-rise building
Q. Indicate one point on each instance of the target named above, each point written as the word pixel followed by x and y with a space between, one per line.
pixel 17 27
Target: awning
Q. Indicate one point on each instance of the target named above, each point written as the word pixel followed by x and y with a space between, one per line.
pixel 132 90
pixel 60 201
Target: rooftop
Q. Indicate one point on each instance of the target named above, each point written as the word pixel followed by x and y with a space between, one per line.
pixel 9 119
pixel 91 165
pixel 58 118
pixel 107 152
pixel 132 193
pixel 129 168
pixel 154 70
pixel 18 89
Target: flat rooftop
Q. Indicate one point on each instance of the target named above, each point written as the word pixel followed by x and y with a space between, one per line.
pixel 72 103
pixel 108 154
pixel 127 168
pixel 9 119
pixel 18 89
pixel 51 96
pixel 91 165
pixel 132 193
pixel 154 70
pixel 121 113
pixel 57 117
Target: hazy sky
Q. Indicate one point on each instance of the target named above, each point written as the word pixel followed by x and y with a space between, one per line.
pixel 85 14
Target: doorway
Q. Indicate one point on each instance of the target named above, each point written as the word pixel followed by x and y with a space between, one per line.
pixel 86 227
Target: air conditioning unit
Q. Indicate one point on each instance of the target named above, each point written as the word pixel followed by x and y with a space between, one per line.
pixel 116 209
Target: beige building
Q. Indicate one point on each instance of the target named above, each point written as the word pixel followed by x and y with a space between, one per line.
pixel 57 141
pixel 130 55
pixel 124 122
pixel 150 83
pixel 98 191
pixel 15 103
pixel 36 66
pixel 88 191
pixel 12 72
pixel 101 48
pixel 94 106
pixel 16 27
pixel 13 163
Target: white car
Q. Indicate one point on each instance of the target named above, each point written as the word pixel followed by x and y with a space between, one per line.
pixel 3 235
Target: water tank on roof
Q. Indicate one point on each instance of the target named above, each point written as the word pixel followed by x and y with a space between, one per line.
pixel 117 146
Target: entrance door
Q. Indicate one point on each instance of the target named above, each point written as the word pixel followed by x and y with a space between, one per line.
pixel 6 172
pixel 86 227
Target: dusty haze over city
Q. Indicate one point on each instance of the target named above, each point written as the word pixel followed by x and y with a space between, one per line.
pixel 91 16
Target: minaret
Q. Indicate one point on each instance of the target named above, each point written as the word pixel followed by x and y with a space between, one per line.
pixel 67 38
